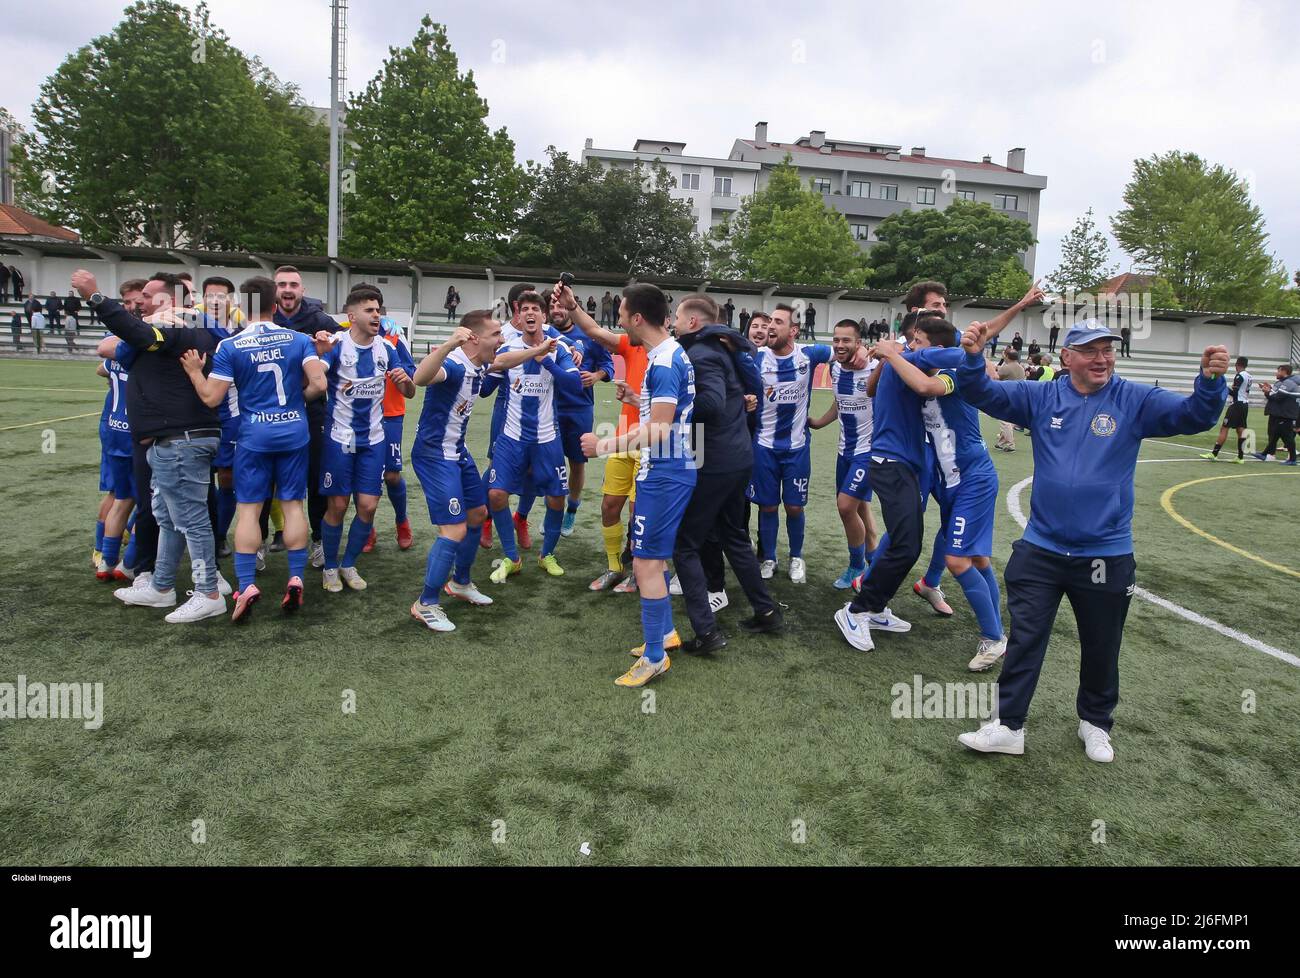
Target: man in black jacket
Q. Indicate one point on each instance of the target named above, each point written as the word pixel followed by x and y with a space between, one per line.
pixel 725 459
pixel 182 434
pixel 294 311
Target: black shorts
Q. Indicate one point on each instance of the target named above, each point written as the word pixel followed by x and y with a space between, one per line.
pixel 1235 417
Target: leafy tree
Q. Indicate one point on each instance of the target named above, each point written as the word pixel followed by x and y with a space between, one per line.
pixel 1195 225
pixel 432 182
pixel 786 233
pixel 962 246
pixel 1162 294
pixel 582 216
pixel 1010 281
pixel 1084 257
pixel 163 133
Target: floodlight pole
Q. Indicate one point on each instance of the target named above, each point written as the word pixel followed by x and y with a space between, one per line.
pixel 337 8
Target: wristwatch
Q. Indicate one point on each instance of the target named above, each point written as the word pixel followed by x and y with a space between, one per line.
pixel 95 300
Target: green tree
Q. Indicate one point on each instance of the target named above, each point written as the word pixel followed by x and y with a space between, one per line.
pixel 1195 225
pixel 1085 254
pixel 432 182
pixel 161 133
pixel 582 216
pixel 786 233
pixel 962 246
pixel 1162 294
pixel 1010 281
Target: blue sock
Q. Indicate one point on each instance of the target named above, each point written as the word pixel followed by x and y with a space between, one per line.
pixel 505 524
pixel 653 618
pixel 876 554
pixel 977 593
pixel 465 553
pixel 128 558
pixel 438 568
pixel 551 525
pixel 525 506
pixel 397 496
pixel 99 536
pixel 225 511
pixel 110 547
pixel 666 609
pixel 858 557
pixel 574 504
pixel 297 562
pixel 767 527
pixel 358 534
pixel 934 573
pixel 995 595
pixel 794 526
pixel 330 538
pixel 130 524
pixel 245 569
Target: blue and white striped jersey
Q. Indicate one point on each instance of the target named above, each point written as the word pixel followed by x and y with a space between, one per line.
pixel 787 392
pixel 669 379
pixel 529 393
pixel 356 389
pixel 953 426
pixel 447 406
pixel 850 388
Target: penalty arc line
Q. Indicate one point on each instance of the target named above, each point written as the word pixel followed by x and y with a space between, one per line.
pixel 1018 514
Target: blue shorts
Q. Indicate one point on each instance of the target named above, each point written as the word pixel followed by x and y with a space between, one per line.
pixel 572 428
pixel 451 487
pixel 660 504
pixel 344 472
pixel 781 476
pixel 226 450
pixel 105 476
pixel 967 511
pixel 121 476
pixel 393 435
pixel 853 477
pixel 256 473
pixel 513 463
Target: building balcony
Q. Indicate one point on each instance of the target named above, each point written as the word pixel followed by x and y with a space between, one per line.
pixel 865 206
pixel 726 202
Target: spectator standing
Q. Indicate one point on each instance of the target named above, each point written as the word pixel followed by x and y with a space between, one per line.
pixel 1282 410
pixel 810 320
pixel 1124 334
pixel 606 305
pixel 1009 369
pixel 16 282
pixel 16 327
pixel 591 306
pixel 451 302
pixel 38 328
pixel 730 309
pixel 1017 342
pixel 1034 350
pixel 4 281
pixel 54 311
pixel 31 307
pixel 1052 336
pixel 615 303
pixel 744 321
pixel 72 308
pixel 70 334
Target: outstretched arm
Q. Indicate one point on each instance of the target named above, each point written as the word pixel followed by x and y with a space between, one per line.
pixel 1004 319
pixel 1164 412
pixel 610 341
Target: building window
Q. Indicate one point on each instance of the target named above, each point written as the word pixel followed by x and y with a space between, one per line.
pixel 860 232
pixel 822 185
pixel 1006 202
pixel 690 181
pixel 888 191
pixel 722 186
pixel 925 195
pixel 966 194
pixel 860 188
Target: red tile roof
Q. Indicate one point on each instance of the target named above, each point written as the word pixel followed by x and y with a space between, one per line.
pixel 902 157
pixel 1125 282
pixel 15 220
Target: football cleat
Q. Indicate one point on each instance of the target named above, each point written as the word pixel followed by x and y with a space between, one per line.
pixel 404 536
pixel 607 580
pixel 432 616
pixel 503 568
pixel 935 596
pixel 485 535
pixel 566 528
pixel 675 586
pixel 370 540
pixel 766 569
pixel 845 580
pixel 317 554
pixel 671 641
pixel 466 592
pixel 521 533
pixel 626 586
pixel 244 601
pixel 987 652
pixel 352 579
pixel 798 571
pixel 329 580
pixel 549 564
pixel 643 671
pixel 293 594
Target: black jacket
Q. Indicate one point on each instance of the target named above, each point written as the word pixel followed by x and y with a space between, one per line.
pixel 310 317
pixel 160 400
pixel 719 411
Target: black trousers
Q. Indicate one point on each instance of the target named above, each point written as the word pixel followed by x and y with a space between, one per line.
pixel 717 507
pixel 146 527
pixel 317 421
pixel 1099 590
pixel 899 494
pixel 1281 429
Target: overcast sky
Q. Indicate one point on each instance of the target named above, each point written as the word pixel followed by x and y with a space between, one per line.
pixel 1085 90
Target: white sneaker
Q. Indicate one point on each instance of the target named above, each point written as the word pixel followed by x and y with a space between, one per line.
pixel 352 579
pixel 147 597
pixel 798 571
pixel 432 616
pixel 329 580
pixel 1096 743
pixel 987 653
pixel 467 592
pixel 766 569
pixel 856 628
pixel 198 607
pixel 144 579
pixel 674 586
pixel 887 621
pixel 223 586
pixel 994 738
pixel 317 555
pixel 717 601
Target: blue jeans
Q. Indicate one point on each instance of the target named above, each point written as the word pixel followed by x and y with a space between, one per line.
pixel 181 472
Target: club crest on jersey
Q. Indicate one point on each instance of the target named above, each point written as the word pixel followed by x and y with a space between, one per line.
pixel 802 368
pixel 860 386
pixel 453 506
pixel 1104 425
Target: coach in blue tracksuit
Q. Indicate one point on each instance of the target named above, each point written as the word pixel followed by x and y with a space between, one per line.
pixel 1087 427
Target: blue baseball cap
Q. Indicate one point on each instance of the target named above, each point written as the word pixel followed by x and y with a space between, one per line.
pixel 1080 334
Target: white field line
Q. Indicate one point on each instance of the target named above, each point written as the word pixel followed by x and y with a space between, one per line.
pixel 1018 514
